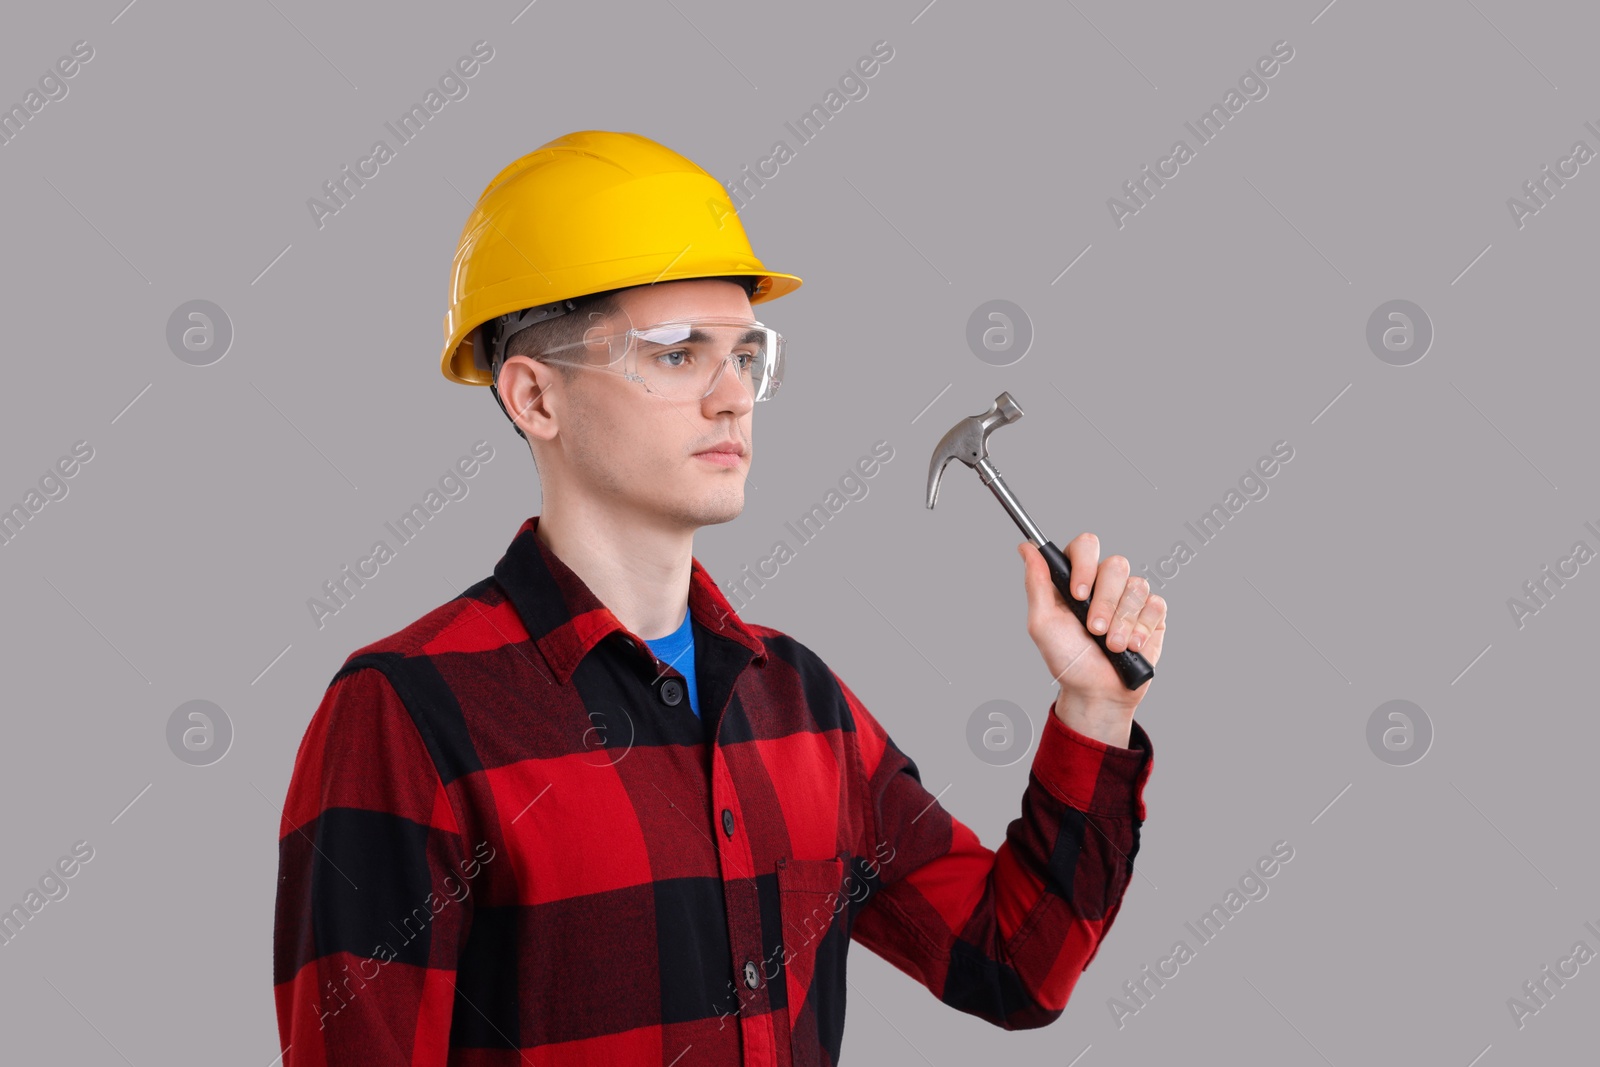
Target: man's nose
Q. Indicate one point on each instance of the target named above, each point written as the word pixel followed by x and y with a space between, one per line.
pixel 728 391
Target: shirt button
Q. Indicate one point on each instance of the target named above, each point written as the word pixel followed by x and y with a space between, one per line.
pixel 727 821
pixel 671 692
pixel 752 977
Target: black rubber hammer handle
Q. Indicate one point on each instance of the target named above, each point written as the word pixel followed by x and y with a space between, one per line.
pixel 1132 668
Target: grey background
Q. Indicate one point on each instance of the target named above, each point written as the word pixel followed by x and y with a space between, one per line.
pixel 1229 314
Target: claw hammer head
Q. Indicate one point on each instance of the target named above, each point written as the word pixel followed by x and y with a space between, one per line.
pixel 968 440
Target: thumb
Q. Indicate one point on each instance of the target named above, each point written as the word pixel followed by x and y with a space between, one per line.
pixel 1031 561
pixel 1043 597
pixel 1036 580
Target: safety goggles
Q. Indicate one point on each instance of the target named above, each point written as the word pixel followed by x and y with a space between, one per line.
pixel 685 360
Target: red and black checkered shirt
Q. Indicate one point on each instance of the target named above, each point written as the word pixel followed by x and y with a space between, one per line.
pixel 509 840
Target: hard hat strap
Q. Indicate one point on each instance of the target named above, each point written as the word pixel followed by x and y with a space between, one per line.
pixel 498 330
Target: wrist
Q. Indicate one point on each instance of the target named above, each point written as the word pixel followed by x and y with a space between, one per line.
pixel 1108 723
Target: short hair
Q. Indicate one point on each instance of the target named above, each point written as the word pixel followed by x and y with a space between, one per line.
pixel 549 334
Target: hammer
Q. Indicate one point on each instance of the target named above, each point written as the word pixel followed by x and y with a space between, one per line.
pixel 968 441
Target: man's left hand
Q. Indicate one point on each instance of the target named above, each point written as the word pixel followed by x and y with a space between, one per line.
pixel 1093 700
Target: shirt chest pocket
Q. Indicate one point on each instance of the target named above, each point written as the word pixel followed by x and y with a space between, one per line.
pixel 811 902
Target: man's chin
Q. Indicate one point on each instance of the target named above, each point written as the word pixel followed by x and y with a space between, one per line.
pixel 727 514
pixel 722 508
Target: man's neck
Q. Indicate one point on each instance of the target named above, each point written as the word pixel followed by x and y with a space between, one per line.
pixel 640 572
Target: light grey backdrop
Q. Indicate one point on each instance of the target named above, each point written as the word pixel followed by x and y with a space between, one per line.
pixel 1168 354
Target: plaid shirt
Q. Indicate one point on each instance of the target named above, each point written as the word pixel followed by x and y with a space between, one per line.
pixel 509 840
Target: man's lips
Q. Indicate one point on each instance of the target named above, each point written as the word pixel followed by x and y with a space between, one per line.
pixel 725 452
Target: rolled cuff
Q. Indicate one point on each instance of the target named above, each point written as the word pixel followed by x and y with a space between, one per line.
pixel 1091 775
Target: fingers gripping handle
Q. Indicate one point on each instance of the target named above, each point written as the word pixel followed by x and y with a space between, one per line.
pixel 1133 668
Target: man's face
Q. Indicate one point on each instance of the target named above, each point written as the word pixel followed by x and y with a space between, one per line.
pixel 637 451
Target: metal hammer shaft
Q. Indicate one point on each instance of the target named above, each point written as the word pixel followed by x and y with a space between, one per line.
pixel 990 476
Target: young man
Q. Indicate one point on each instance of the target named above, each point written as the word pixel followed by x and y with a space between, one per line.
pixel 584 812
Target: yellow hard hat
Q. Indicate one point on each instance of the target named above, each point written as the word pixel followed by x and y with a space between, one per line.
pixel 585 213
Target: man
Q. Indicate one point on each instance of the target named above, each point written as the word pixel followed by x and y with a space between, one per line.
pixel 583 812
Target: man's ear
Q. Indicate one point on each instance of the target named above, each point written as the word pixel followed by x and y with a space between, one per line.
pixel 530 391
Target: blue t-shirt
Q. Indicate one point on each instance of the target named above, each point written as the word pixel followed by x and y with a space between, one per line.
pixel 676 650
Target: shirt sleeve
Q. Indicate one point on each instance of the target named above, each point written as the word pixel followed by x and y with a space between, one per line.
pixel 1002 935
pixel 372 898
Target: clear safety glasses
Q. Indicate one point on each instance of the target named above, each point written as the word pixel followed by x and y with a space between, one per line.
pixel 685 360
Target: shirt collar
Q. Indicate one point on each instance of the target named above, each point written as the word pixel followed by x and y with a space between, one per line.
pixel 565 619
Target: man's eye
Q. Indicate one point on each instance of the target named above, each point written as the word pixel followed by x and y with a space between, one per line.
pixel 745 358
